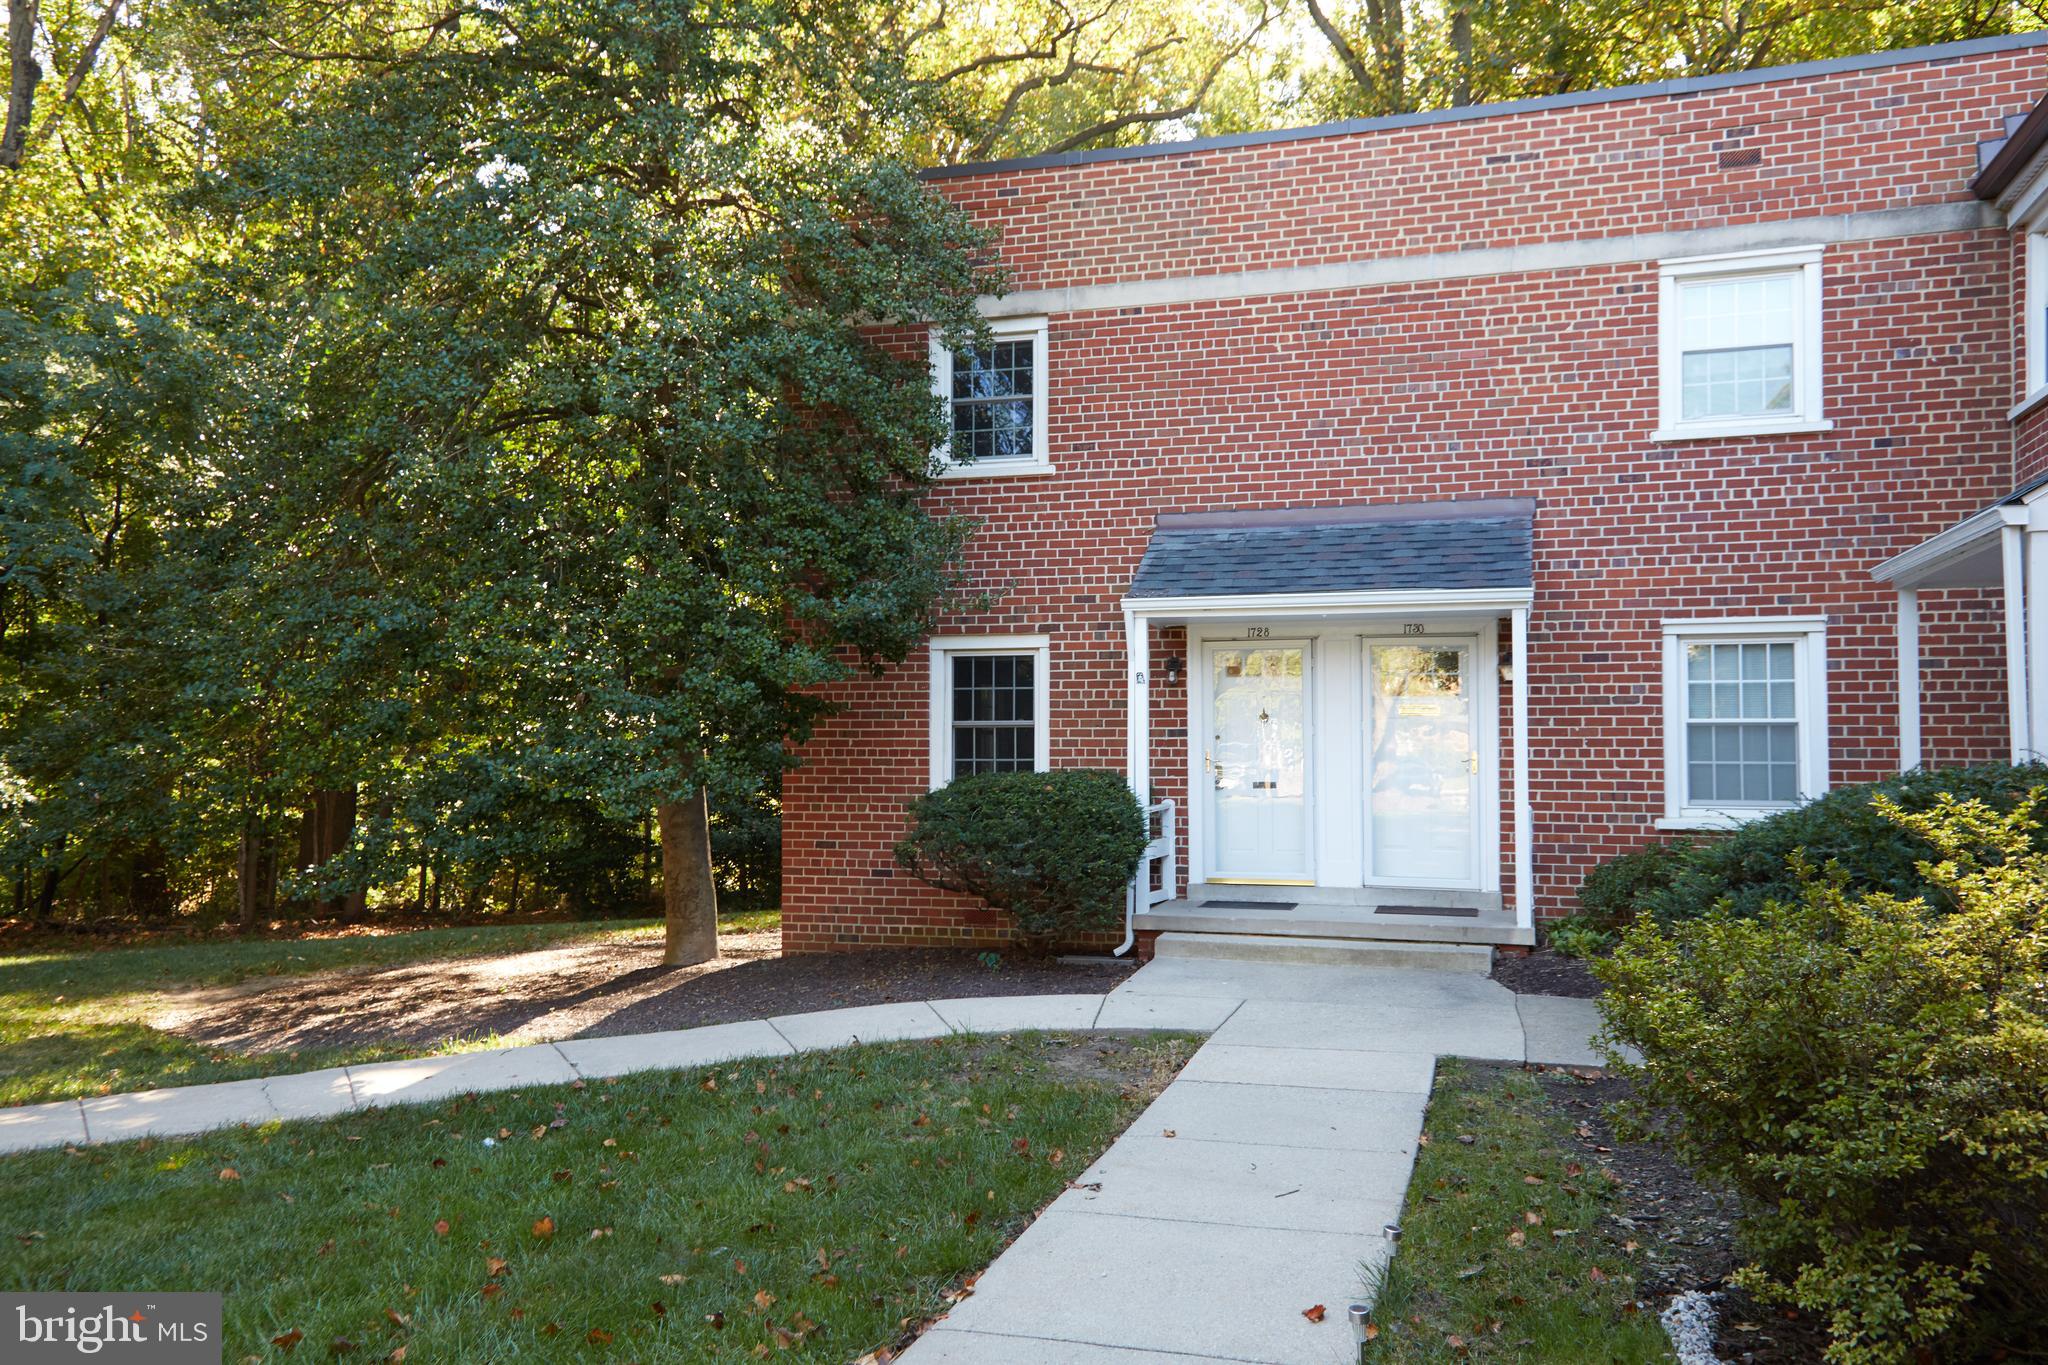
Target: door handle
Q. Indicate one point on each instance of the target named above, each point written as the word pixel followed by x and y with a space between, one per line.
pixel 1264 786
pixel 1473 760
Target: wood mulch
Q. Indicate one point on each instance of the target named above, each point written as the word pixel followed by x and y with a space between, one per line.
pixel 1686 1229
pixel 1544 972
pixel 612 986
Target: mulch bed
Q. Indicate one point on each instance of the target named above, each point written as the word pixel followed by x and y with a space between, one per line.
pixel 1544 972
pixel 588 989
pixel 1686 1230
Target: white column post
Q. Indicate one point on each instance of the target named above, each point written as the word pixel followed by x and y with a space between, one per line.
pixel 1138 677
pixel 1909 680
pixel 2037 632
pixel 2012 546
pixel 1525 853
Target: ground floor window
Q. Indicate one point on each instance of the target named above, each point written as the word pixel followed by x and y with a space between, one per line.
pixel 989 705
pixel 1745 717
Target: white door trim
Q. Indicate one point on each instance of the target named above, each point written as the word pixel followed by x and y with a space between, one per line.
pixel 1483 640
pixel 1201 790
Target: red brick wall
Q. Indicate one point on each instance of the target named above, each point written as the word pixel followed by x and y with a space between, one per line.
pixel 1538 385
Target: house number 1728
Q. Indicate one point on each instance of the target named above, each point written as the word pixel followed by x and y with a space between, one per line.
pixel 1258 632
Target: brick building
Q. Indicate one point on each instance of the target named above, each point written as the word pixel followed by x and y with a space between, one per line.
pixel 1431 507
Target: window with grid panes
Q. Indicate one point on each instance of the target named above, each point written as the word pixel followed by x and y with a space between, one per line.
pixel 994 713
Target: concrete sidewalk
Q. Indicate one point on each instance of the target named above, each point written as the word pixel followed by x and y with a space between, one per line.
pixel 1259 1183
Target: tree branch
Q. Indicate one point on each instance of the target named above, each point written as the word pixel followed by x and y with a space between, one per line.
pixel 1341 45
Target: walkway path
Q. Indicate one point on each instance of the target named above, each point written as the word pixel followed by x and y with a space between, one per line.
pixel 1259 1183
pixel 1254 1187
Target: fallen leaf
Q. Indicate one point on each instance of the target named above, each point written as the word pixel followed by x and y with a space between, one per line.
pixel 544 1228
pixel 397 1318
pixel 1534 1218
pixel 1314 1313
pixel 596 1233
pixel 340 1346
pixel 672 1279
pixel 289 1340
pixel 1517 1237
pixel 230 1173
pixel 1171 1133
pixel 440 1227
pixel 763 1300
pixel 599 1337
pixel 1532 1180
pixel 394 1355
pixel 495 1266
pixel 1595 1274
pixel 1372 1331
pixel 717 1321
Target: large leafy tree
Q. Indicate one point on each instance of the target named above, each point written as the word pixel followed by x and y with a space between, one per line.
pixel 574 445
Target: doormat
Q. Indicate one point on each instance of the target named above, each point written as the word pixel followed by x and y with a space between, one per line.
pixel 1441 911
pixel 1248 905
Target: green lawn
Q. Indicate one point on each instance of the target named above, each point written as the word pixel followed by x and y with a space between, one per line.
pixel 70 1023
pixel 1501 1255
pixel 805 1208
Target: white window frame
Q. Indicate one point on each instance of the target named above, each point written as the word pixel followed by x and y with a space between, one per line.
pixel 2033 332
pixel 1038 331
pixel 1807 356
pixel 1808 635
pixel 943 651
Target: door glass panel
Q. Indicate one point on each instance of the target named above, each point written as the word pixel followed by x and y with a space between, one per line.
pixel 1258 762
pixel 1421 762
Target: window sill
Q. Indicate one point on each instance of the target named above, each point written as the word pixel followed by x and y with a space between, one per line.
pixel 2028 405
pixel 1668 435
pixel 1717 820
pixel 1006 469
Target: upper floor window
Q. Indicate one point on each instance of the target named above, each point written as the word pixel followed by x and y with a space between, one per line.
pixel 1745 718
pixel 996 400
pixel 1739 345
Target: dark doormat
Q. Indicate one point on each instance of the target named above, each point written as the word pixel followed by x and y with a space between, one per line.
pixel 1442 911
pixel 1248 905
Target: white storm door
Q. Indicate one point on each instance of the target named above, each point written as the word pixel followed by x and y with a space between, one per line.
pixel 1257 762
pixel 1422 765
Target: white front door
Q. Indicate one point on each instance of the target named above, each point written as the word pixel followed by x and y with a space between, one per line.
pixel 1422 765
pixel 1257 762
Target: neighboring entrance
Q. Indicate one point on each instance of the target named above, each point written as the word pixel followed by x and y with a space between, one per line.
pixel 1421 763
pixel 1257 762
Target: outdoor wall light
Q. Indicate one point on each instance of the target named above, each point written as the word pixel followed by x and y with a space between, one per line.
pixel 1175 666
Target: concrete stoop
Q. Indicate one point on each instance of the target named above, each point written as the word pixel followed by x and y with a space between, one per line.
pixel 1327 952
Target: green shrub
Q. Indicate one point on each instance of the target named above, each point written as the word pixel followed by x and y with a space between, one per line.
pixel 1612 892
pixel 1579 936
pixel 1845 828
pixel 1870 1073
pixel 1056 849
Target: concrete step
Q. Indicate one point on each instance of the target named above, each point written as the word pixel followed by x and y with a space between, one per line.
pixel 1326 952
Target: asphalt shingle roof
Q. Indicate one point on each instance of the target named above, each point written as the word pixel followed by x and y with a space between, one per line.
pixel 1339 550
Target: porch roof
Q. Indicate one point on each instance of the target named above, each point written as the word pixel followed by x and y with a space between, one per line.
pixel 1967 554
pixel 1381 547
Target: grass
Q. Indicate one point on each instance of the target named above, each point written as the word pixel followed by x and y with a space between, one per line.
pixel 1502 1256
pixel 803 1207
pixel 71 1024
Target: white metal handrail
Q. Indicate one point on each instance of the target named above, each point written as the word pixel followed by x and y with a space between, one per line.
pixel 1160 858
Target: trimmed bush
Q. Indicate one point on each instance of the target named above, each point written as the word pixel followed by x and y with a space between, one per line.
pixel 1869 1071
pixel 1611 892
pixel 1056 850
pixel 1845 829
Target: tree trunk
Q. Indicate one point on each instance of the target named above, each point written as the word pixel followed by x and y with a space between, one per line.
pixel 689 895
pixel 325 828
pixel 24 75
pixel 255 874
